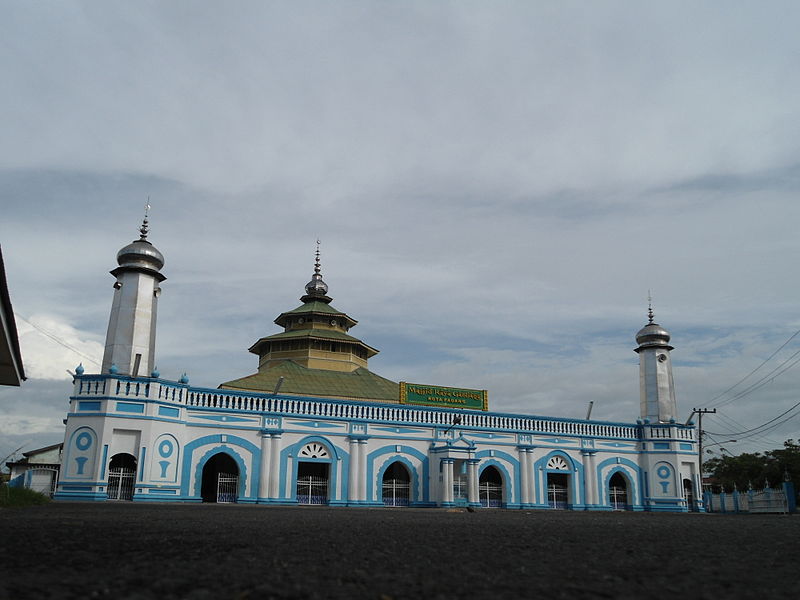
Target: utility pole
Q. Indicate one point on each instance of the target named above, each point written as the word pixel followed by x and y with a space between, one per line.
pixel 700 412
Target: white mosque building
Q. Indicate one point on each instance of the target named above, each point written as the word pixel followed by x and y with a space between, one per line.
pixel 314 425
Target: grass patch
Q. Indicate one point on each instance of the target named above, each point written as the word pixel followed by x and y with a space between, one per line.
pixel 17 497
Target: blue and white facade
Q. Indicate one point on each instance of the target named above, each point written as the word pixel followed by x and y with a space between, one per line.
pixel 149 439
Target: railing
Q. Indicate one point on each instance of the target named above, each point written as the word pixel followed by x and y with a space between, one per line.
pixel 106 385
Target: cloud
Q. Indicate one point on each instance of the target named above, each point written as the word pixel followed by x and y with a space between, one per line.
pixel 496 188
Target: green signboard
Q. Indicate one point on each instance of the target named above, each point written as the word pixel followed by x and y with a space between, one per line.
pixel 431 395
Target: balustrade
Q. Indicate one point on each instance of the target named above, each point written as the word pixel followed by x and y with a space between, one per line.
pixel 235 401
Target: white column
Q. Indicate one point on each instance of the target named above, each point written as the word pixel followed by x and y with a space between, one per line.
pixel 590 482
pixel 274 465
pixel 362 470
pixel 524 476
pixel 263 482
pixel 352 474
pixel 447 480
pixel 472 481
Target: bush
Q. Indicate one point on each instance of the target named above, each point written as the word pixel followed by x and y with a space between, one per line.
pixel 20 496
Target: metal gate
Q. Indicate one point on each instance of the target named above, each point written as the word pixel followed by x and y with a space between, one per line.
pixel 491 494
pixel 227 487
pixel 120 483
pixel 312 490
pixel 396 492
pixel 618 497
pixel 557 496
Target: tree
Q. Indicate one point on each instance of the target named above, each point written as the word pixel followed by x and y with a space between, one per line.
pixel 755 468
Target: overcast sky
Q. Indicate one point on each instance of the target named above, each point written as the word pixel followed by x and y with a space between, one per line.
pixel 496 186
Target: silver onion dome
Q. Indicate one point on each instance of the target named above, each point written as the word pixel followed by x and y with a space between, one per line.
pixel 141 253
pixel 652 333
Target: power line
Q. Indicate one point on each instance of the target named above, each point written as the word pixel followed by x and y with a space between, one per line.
pixel 768 378
pixel 743 379
pixel 57 340
pixel 734 425
pixel 764 425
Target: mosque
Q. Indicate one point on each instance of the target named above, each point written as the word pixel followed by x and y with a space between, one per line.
pixel 314 425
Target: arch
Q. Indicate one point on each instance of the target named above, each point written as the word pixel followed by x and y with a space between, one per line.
pixel 81 454
pixel 419 484
pixel 121 476
pixel 618 490
pixel 556 484
pixel 220 478
pixel 201 465
pixel 336 459
pixel 630 470
pixel 663 478
pixel 511 480
pixel 396 484
pixel 223 443
pixel 165 458
pixel 414 487
pixel 490 486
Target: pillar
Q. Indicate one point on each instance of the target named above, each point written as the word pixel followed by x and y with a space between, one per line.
pixel 447 481
pixel 274 465
pixel 352 474
pixel 263 481
pixel 362 470
pixel 472 482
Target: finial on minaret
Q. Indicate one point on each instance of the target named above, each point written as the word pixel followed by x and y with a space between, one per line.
pixel 316 288
pixel 143 228
pixel 649 307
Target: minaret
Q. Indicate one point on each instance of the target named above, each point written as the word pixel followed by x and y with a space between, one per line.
pixel 656 389
pixel 131 337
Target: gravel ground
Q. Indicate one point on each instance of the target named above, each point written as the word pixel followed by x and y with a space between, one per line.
pixel 203 552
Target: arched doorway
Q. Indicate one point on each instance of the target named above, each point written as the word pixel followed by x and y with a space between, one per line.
pixel 490 488
pixel 618 492
pixel 688 494
pixel 558 482
pixel 313 474
pixel 396 485
pixel 121 476
pixel 220 479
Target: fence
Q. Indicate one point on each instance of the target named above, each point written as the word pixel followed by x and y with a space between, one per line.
pixel 767 500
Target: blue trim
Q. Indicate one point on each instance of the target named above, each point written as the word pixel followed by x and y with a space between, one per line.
pixel 104 463
pixel 507 493
pixel 513 497
pixel 168 411
pixel 216 440
pixel 143 452
pixel 131 407
pixel 338 455
pixel 635 498
pixel 89 405
pixel 575 475
pixel 376 483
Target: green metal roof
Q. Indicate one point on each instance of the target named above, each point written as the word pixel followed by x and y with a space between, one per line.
pixel 325 334
pixel 315 306
pixel 361 384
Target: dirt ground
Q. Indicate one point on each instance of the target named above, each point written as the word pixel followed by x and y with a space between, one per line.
pixel 199 552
